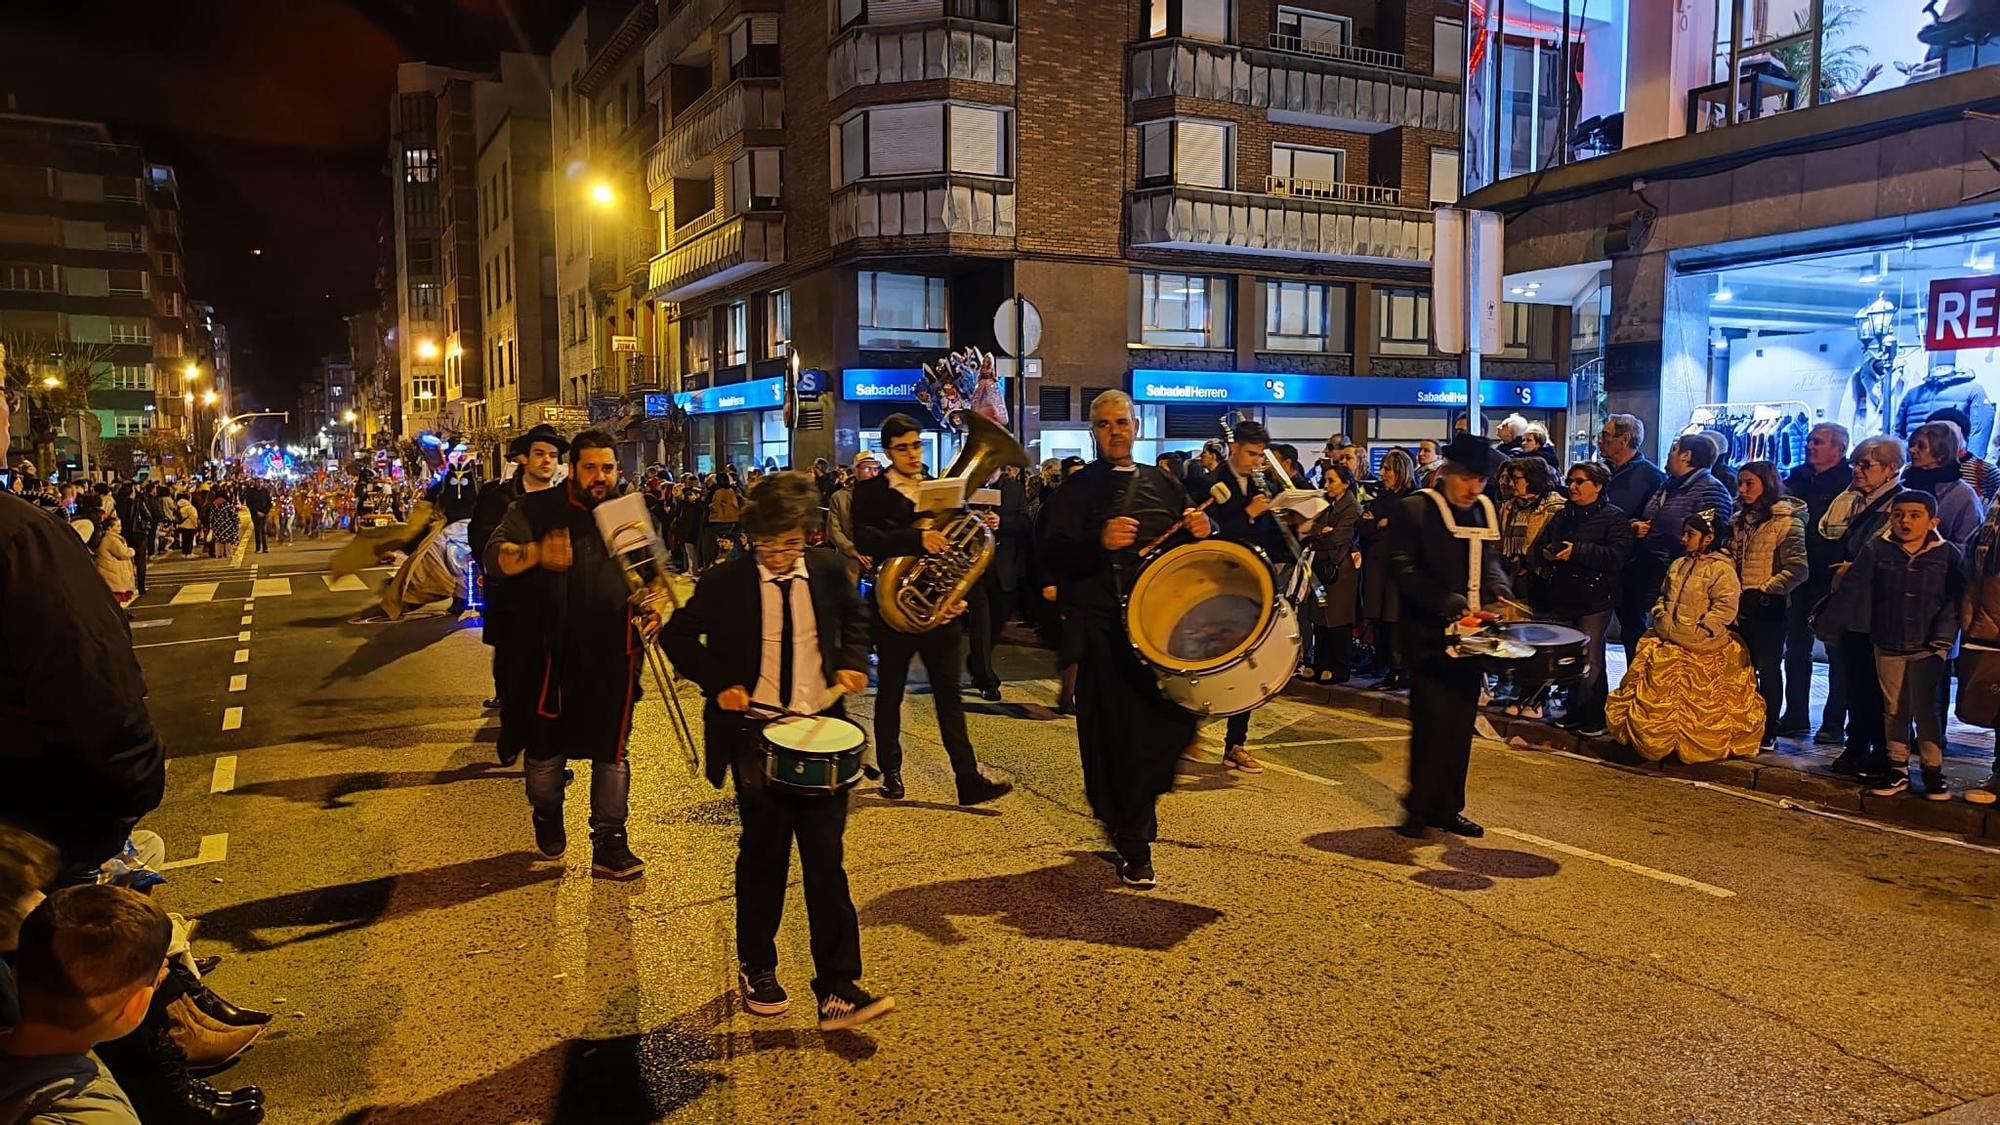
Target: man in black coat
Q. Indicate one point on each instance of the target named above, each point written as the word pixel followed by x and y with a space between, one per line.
pixel 135 512
pixel 77 747
pixel 535 455
pixel 1824 475
pixel 884 510
pixel 257 498
pixel 1246 518
pixel 993 595
pixel 1444 551
pixel 809 646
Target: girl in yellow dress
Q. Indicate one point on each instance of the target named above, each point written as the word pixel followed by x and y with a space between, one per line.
pixel 1690 690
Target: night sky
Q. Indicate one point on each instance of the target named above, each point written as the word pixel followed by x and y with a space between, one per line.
pixel 274 114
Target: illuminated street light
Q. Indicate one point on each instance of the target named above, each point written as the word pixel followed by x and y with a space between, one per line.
pixel 348 417
pixel 189 397
pixel 427 349
pixel 602 195
pixel 208 398
pixel 51 381
pixel 192 371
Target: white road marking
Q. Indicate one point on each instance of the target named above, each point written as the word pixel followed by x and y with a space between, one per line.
pixel 1284 769
pixel 238 683
pixel 1330 741
pixel 232 718
pixel 245 621
pixel 344 582
pixel 1613 861
pixel 242 656
pixel 195 592
pixel 214 849
pixel 153 624
pixel 224 778
pixel 244 635
pixel 271 587
pixel 189 641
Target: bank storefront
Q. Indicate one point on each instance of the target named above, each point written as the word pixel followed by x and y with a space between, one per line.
pixel 741 424
pixel 878 392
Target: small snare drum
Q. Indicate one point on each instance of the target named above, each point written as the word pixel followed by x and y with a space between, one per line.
pixel 814 755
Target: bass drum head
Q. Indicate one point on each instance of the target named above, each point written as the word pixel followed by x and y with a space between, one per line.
pixel 813 734
pixel 1543 635
pixel 1200 606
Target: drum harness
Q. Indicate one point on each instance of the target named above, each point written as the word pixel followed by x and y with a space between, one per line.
pixel 1472 536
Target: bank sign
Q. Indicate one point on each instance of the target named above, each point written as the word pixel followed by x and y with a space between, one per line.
pixel 1254 388
pixel 1963 312
pixel 884 384
pixel 757 394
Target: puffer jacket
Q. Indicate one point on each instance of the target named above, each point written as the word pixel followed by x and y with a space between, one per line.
pixel 1588 581
pixel 1770 557
pixel 1905 602
pixel 1698 602
pixel 1959 513
pixel 1676 500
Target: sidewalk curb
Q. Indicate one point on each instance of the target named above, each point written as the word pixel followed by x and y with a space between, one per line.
pixel 1769 774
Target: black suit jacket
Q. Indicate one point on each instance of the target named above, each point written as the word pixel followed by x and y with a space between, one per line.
pixel 717 639
pixel 1233 523
pixel 882 518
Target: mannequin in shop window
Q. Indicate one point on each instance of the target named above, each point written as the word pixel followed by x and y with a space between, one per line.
pixel 1948 387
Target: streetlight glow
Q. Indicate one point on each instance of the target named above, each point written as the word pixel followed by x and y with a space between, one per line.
pixel 348 417
pixel 602 195
pixel 189 396
pixel 208 398
pixel 427 349
pixel 192 371
pixel 51 382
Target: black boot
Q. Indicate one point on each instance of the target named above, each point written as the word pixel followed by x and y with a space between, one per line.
pixel 213 1005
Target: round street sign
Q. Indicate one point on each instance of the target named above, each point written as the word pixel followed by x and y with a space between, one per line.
pixel 1031 327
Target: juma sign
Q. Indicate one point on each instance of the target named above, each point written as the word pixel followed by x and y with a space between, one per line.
pixel 1963 312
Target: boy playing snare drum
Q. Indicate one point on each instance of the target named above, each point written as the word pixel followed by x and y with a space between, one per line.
pixel 812 647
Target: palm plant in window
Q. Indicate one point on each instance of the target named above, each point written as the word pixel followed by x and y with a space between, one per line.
pixel 1843 71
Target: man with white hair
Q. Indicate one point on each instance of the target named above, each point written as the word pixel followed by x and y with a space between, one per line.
pixel 1507 435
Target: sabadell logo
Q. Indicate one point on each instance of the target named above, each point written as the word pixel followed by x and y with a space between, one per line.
pixel 1184 390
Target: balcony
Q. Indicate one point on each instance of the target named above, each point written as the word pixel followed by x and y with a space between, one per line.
pixel 926 205
pixel 685 27
pixel 738 248
pixel 1298 88
pixel 1186 218
pixel 698 130
pixel 1339 52
pixel 1296 188
pixel 950 49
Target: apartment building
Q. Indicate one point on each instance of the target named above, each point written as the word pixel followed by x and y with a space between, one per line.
pixel 1759 217
pixel 517 267
pixel 91 253
pixel 417 232
pixel 1212 203
pixel 215 361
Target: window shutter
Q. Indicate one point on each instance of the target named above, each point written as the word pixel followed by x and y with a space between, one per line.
pixel 902 11
pixel 975 140
pixel 850 10
pixel 1192 423
pixel 739 41
pixel 1202 158
pixel 905 139
pixel 1156 150
pixel 1055 403
pixel 764 30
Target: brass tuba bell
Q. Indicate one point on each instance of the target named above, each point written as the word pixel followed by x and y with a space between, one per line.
pixel 912 592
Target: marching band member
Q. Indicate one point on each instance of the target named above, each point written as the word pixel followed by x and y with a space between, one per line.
pixel 1128 733
pixel 536 454
pixel 1444 552
pixel 1246 518
pixel 813 637
pixel 579 676
pixel 884 508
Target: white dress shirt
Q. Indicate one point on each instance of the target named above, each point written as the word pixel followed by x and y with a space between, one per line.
pixel 908 486
pixel 809 690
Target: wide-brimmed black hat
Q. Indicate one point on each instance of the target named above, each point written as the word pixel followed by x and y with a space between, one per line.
pixel 1471 454
pixel 542 433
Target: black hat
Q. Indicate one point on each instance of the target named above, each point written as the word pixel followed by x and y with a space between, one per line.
pixel 542 433
pixel 1470 454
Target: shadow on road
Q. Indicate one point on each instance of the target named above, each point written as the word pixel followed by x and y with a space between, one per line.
pixel 387 646
pixel 1466 867
pixel 352 906
pixel 331 791
pixel 876 802
pixel 1039 712
pixel 1078 900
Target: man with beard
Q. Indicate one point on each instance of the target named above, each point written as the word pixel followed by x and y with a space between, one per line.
pixel 1129 734
pixel 577 679
pixel 535 454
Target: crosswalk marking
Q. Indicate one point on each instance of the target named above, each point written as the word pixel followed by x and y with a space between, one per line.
pixel 195 592
pixel 272 587
pixel 244 635
pixel 242 656
pixel 224 777
pixel 232 718
pixel 214 849
pixel 344 582
pixel 239 683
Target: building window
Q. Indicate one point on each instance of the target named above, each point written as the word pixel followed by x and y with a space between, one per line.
pixel 735 334
pixel 907 140
pixel 125 331
pixel 1178 310
pixel 1304 316
pixel 755 180
pixel 130 425
pixel 126 240
pixel 777 322
pixel 506 190
pixel 1517 329
pixel 696 355
pixel 1402 321
pixel 1448 48
pixel 121 189
pixel 753 47
pixel 1195 153
pixel 420 165
pixel 126 283
pixel 131 377
pixel 170 304
pixel 170 263
pixel 28 277
pixel 1312 33
pixel 1190 19
pixel 426 301
pixel 1299 170
pixel 507 269
pixel 900 310
pixel 1444 175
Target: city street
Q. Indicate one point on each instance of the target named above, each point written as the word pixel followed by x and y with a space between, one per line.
pixel 1618 948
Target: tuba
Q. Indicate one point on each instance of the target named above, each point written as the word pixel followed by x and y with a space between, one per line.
pixel 912 592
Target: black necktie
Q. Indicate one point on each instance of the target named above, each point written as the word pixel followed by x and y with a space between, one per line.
pixel 785 642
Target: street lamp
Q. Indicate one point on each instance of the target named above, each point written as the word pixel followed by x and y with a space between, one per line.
pixel 208 398
pixel 602 195
pixel 427 349
pixel 51 382
pixel 192 371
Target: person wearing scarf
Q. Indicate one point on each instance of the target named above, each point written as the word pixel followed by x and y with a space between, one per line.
pixel 1855 517
pixel 1979 655
pixel 1934 468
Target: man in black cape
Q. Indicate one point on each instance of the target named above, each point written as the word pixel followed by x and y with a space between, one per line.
pixel 1444 556
pixel 535 455
pixel 578 678
pixel 1129 734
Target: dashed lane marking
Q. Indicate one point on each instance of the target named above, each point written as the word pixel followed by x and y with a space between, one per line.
pixel 195 592
pixel 155 623
pixel 271 587
pixel 189 641
pixel 224 777
pixel 232 718
pixel 344 582
pixel 242 656
pixel 244 635
pixel 1290 772
pixel 238 683
pixel 1612 861
pixel 245 621
pixel 214 849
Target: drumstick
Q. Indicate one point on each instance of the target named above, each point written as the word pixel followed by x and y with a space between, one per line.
pixel 1218 493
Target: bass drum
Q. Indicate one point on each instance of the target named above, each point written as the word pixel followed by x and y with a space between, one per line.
pixel 1207 619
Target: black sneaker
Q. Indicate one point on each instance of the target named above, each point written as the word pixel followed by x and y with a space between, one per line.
pixel 1935 786
pixel 1134 874
pixel 550 839
pixel 980 790
pixel 610 857
pixel 1887 784
pixel 762 993
pixel 1847 765
pixel 845 1005
pixel 1827 736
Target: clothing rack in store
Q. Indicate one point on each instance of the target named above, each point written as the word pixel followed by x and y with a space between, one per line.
pixel 1757 431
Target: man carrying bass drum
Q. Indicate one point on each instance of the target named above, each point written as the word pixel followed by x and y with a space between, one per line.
pixel 1128 733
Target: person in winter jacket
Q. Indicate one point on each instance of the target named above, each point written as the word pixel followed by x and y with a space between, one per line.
pixel 1656 529
pixel 1633 482
pixel 1906 589
pixel 1528 500
pixel 1336 564
pixel 1583 549
pixel 1689 690
pixel 1934 468
pixel 1979 657
pixel 1823 476
pixel 1535 442
pixel 188 523
pixel 1379 601
pixel 1767 543
pixel 1855 518
pixel 1975 471
pixel 114 562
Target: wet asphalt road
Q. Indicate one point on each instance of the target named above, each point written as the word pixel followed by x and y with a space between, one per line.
pixel 1617 949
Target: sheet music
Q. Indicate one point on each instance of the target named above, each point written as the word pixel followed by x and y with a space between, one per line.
pixel 944 494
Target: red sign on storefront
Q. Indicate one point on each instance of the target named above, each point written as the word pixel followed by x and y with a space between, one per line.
pixel 1963 312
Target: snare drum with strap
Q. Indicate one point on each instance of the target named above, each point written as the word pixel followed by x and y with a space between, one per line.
pixel 813 755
